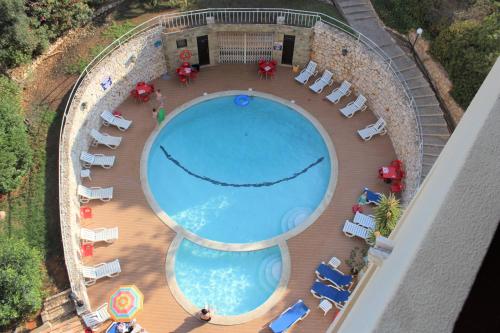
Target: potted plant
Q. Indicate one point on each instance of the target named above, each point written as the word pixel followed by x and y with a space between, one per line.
pixel 357 260
pixel 387 214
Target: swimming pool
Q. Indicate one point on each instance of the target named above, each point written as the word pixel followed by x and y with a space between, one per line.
pixel 230 282
pixel 239 174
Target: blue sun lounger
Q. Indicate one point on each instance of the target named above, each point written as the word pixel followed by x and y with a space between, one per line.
pixel 289 317
pixel 336 277
pixel 372 197
pixel 334 295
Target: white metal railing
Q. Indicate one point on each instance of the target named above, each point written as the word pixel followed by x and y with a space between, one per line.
pixel 226 16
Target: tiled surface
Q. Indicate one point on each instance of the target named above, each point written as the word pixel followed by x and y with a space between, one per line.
pixel 143 239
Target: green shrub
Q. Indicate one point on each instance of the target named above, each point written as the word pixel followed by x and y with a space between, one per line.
pixel 15 151
pixel 387 214
pixel 21 279
pixel 59 16
pixel 18 43
pixel 467 50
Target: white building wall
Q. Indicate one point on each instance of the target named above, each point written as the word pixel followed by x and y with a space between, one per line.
pixel 444 234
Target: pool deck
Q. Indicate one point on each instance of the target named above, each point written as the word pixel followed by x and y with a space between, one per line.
pixel 144 239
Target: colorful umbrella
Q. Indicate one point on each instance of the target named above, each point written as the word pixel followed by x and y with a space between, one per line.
pixel 125 303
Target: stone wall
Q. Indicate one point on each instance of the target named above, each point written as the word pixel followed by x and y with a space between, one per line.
pixel 371 77
pixel 301 53
pixel 140 59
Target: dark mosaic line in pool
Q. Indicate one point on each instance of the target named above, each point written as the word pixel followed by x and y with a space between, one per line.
pixel 216 182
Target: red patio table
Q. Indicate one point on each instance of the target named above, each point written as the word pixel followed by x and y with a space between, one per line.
pixel 389 172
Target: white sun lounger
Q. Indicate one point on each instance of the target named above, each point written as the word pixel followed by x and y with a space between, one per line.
pixel 96 318
pixel 104 139
pixel 89 160
pixel 351 108
pixel 107 269
pixel 371 130
pixel 86 194
pixel 367 221
pixel 121 123
pixel 338 93
pixel 322 82
pixel 108 235
pixel 307 72
pixel 353 229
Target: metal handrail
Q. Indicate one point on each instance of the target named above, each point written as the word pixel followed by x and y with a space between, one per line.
pixel 228 16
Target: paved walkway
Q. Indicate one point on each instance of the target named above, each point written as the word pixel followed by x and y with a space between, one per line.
pixel 361 15
pixel 144 239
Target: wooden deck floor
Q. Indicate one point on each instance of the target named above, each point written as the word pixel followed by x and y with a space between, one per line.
pixel 144 239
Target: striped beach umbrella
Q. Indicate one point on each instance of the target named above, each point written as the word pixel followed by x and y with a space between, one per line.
pixel 125 303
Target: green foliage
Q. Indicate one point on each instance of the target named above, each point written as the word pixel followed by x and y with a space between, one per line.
pixel 15 152
pixel 21 280
pixel 59 16
pixel 18 43
pixel 387 214
pixel 357 259
pixel 26 27
pixel 467 50
pixel 116 30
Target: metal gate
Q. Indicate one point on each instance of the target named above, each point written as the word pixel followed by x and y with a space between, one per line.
pixel 244 47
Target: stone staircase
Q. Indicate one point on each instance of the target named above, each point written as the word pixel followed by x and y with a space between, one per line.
pixel 59 315
pixel 361 15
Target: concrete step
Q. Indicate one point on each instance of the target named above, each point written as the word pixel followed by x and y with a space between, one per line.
pixel 362 16
pixel 357 10
pixel 433 150
pixel 433 120
pixel 425 171
pixel 440 131
pixel 352 4
pixel 435 140
pixel 422 91
pixel 417 83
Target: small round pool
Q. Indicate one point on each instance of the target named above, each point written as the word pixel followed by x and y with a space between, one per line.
pixel 233 174
pixel 232 283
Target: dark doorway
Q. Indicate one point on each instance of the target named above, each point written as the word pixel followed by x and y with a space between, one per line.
pixel 288 45
pixel 203 53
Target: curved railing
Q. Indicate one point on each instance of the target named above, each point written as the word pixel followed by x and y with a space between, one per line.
pixel 225 16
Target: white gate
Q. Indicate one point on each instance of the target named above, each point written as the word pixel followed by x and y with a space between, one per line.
pixel 244 47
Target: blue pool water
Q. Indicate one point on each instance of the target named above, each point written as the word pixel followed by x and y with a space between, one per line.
pixel 238 174
pixel 232 283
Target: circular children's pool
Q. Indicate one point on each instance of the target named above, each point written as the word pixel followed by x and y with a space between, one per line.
pixel 234 173
pixel 232 283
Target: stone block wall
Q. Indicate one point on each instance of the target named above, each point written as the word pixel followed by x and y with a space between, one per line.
pixel 301 53
pixel 140 59
pixel 386 97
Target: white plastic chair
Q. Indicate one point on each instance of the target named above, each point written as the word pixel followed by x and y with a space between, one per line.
pixel 373 129
pixel 325 305
pixel 105 139
pixel 335 262
pixel 338 93
pixel 89 160
pixel 85 194
pixel 351 108
pixel 307 72
pixel 108 235
pixel 352 229
pixel 121 123
pixel 325 80
pixel 96 318
pixel 367 221
pixel 108 269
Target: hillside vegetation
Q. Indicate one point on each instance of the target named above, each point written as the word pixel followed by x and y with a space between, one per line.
pixel 464 36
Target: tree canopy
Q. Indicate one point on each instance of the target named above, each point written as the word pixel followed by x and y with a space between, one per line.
pixel 21 280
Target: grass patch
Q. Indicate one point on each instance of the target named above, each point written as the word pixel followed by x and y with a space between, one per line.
pixel 78 66
pixel 28 215
pixel 116 30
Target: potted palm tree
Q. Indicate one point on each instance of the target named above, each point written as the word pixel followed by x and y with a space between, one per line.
pixel 387 214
